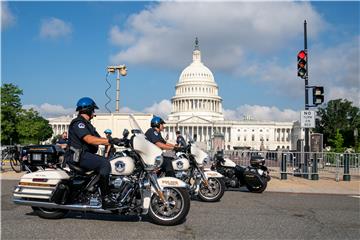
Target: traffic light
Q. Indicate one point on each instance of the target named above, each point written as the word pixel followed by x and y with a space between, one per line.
pixel 318 95
pixel 302 63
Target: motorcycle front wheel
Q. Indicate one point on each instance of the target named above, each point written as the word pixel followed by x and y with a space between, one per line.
pixel 214 191
pixel 50 213
pixel 175 208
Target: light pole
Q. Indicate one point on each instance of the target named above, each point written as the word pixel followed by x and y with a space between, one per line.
pixel 120 70
pixel 355 138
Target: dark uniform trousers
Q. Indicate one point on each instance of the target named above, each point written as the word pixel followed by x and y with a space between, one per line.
pixel 153 136
pixel 90 161
pixel 80 127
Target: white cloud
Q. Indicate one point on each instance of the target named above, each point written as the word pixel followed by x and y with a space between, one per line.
pixel 49 110
pixel 163 108
pixel 261 113
pixel 120 38
pixel 7 17
pixel 337 69
pixel 351 94
pixel 127 110
pixel 230 30
pixel 55 28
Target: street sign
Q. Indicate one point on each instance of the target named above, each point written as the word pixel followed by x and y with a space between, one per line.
pixel 307 119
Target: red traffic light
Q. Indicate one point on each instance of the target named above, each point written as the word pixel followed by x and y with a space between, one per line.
pixel 302 55
pixel 301 64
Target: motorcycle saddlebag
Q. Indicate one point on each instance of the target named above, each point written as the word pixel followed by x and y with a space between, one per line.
pixel 40 185
pixel 42 155
pixel 253 178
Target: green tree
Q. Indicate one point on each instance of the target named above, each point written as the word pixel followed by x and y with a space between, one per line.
pixel 340 115
pixel 32 128
pixel 10 108
pixel 337 142
pixel 55 139
pixel 19 125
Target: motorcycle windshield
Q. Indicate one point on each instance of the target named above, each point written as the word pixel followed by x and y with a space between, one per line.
pixel 147 150
pixel 199 154
pixel 135 127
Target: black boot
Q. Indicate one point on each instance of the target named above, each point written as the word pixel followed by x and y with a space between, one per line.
pixel 107 201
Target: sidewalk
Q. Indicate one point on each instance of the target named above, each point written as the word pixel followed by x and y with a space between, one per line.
pixel 291 185
pixel 322 186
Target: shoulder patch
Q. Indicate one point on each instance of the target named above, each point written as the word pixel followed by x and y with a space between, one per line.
pixel 81 125
pixel 156 133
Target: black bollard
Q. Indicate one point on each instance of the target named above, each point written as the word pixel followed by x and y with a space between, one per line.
pixel 346 176
pixel 314 174
pixel 283 174
pixel 305 166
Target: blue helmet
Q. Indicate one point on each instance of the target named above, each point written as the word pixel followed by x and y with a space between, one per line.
pixel 108 131
pixel 86 104
pixel 156 121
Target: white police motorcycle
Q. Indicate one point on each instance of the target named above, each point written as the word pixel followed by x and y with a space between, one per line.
pixel 208 185
pixel 134 184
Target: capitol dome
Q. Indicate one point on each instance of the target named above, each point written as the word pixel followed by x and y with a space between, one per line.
pixel 196 92
pixel 196 70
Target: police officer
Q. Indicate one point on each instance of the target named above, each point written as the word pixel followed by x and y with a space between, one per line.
pixel 110 149
pixel 63 140
pixel 180 141
pixel 83 145
pixel 153 134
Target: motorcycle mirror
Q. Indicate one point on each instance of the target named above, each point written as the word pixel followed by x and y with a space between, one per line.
pixel 125 133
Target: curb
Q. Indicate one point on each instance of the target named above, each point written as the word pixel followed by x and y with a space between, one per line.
pixel 291 185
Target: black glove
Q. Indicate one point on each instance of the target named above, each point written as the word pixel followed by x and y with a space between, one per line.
pixel 180 149
pixel 116 141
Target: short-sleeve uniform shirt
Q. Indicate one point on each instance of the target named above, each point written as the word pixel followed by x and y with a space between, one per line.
pixel 153 136
pixel 78 129
pixel 181 141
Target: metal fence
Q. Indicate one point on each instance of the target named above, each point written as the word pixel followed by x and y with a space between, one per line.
pixel 338 166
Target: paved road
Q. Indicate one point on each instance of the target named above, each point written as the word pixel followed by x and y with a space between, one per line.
pixel 239 215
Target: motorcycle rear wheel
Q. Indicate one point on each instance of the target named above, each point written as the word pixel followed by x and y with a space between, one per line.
pixel 176 212
pixel 50 213
pixel 218 187
pixel 259 189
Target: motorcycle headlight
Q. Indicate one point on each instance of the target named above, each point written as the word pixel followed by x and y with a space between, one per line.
pixel 159 161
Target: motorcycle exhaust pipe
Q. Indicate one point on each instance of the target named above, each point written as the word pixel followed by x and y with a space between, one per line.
pixel 76 207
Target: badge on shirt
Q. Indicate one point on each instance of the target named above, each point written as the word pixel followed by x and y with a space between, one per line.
pixel 156 133
pixel 81 125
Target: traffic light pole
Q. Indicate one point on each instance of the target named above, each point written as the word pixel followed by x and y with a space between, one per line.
pixel 306 148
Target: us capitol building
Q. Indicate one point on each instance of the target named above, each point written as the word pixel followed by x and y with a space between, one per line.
pixel 197 109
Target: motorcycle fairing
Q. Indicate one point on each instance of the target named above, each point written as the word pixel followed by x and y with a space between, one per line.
pixel 228 163
pixel 147 150
pixel 199 154
pixel 213 174
pixel 171 182
pixel 180 164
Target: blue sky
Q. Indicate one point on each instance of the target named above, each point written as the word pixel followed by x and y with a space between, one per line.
pixel 57 52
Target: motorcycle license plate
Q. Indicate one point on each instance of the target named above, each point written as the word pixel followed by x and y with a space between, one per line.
pixel 260 171
pixel 36 157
